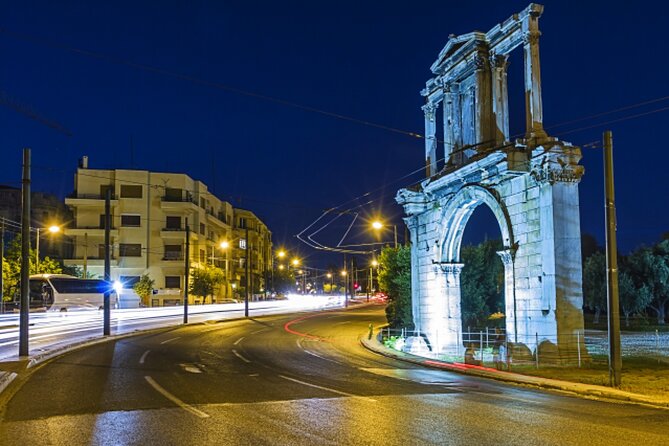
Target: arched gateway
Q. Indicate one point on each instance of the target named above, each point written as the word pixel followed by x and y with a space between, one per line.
pixel 530 184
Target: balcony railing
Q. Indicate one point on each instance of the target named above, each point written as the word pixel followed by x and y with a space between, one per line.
pixel 91 196
pixel 174 229
pixel 170 199
pixel 173 256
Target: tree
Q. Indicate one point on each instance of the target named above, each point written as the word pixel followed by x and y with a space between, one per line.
pixel 11 268
pixel 594 283
pixel 650 272
pixel 632 300
pixel 395 280
pixel 144 288
pixel 481 282
pixel 284 280
pixel 205 280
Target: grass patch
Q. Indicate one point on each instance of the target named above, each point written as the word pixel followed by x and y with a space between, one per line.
pixel 641 375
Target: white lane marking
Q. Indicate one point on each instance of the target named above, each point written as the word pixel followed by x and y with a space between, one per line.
pixel 191 368
pixel 309 352
pixel 143 358
pixel 258 331
pixel 238 340
pixel 339 392
pixel 237 354
pixel 170 340
pixel 174 399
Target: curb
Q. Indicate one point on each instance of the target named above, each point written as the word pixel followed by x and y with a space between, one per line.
pixel 6 379
pixel 585 390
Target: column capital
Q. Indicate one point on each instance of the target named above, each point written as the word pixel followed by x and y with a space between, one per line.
pixel 507 255
pixel 429 109
pixel 499 61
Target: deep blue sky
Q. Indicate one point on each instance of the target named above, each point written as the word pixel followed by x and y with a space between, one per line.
pixel 366 60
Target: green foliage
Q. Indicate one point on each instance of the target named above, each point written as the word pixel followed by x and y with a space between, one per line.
pixel 594 283
pixel 395 281
pixel 481 282
pixel 11 268
pixel 649 268
pixel 284 280
pixel 144 288
pixel 205 280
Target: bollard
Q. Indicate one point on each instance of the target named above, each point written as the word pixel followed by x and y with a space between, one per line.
pixel 481 340
pixel 536 349
pixel 371 331
pixel 657 345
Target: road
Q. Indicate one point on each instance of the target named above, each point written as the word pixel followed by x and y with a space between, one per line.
pixel 292 380
pixel 50 331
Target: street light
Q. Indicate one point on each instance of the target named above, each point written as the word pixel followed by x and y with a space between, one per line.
pixel 296 262
pixel 377 225
pixel 53 229
pixel 281 254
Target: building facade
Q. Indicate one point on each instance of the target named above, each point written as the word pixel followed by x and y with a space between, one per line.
pixel 149 215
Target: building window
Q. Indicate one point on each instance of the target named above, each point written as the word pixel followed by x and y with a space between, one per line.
pixel 242 223
pixel 203 256
pixel 173 223
pixel 203 203
pixel 130 250
pixel 173 282
pixel 130 220
pixel 173 252
pixel 173 194
pixel 242 243
pixel 203 230
pixel 128 281
pixel 131 191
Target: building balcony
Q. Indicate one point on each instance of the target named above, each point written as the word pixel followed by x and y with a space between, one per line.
pixel 91 261
pixel 91 231
pixel 173 256
pixel 168 203
pixel 95 200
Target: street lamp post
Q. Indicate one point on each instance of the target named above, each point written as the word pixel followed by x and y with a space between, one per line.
pixel 53 229
pixel 377 225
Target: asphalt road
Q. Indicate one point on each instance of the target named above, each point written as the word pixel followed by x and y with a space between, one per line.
pixel 258 381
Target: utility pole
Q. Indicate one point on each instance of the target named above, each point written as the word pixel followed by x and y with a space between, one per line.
pixel 186 272
pixel 106 331
pixel 2 257
pixel 248 272
pixel 25 257
pixel 85 255
pixel 395 234
pixel 37 250
pixel 615 359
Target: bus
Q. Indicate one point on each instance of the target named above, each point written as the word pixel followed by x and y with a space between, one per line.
pixel 62 292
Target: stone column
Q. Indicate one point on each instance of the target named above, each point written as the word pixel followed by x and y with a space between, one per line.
pixel 449 135
pixel 500 98
pixel 483 124
pixel 430 110
pixel 444 329
pixel 510 308
pixel 533 105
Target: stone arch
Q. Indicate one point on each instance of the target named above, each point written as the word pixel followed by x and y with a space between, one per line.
pixel 457 212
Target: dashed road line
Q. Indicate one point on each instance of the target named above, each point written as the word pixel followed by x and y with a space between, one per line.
pixel 237 354
pixel 174 399
pixel 327 389
pixel 238 340
pixel 170 340
pixel 143 358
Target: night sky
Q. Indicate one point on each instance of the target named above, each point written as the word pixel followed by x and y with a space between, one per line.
pixel 362 60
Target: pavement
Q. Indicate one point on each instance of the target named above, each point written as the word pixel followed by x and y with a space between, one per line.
pixel 590 391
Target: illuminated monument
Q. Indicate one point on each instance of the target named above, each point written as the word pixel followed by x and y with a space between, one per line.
pixel 530 184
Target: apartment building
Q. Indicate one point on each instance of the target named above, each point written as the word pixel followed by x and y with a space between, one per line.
pixel 149 214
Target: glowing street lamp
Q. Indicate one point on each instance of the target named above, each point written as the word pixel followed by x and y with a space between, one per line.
pixel 281 254
pixel 296 262
pixel 53 229
pixel 377 226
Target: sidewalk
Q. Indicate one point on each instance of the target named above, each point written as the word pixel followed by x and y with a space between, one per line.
pixel 583 390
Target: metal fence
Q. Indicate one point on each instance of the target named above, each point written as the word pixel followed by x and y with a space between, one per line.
pixel 482 346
